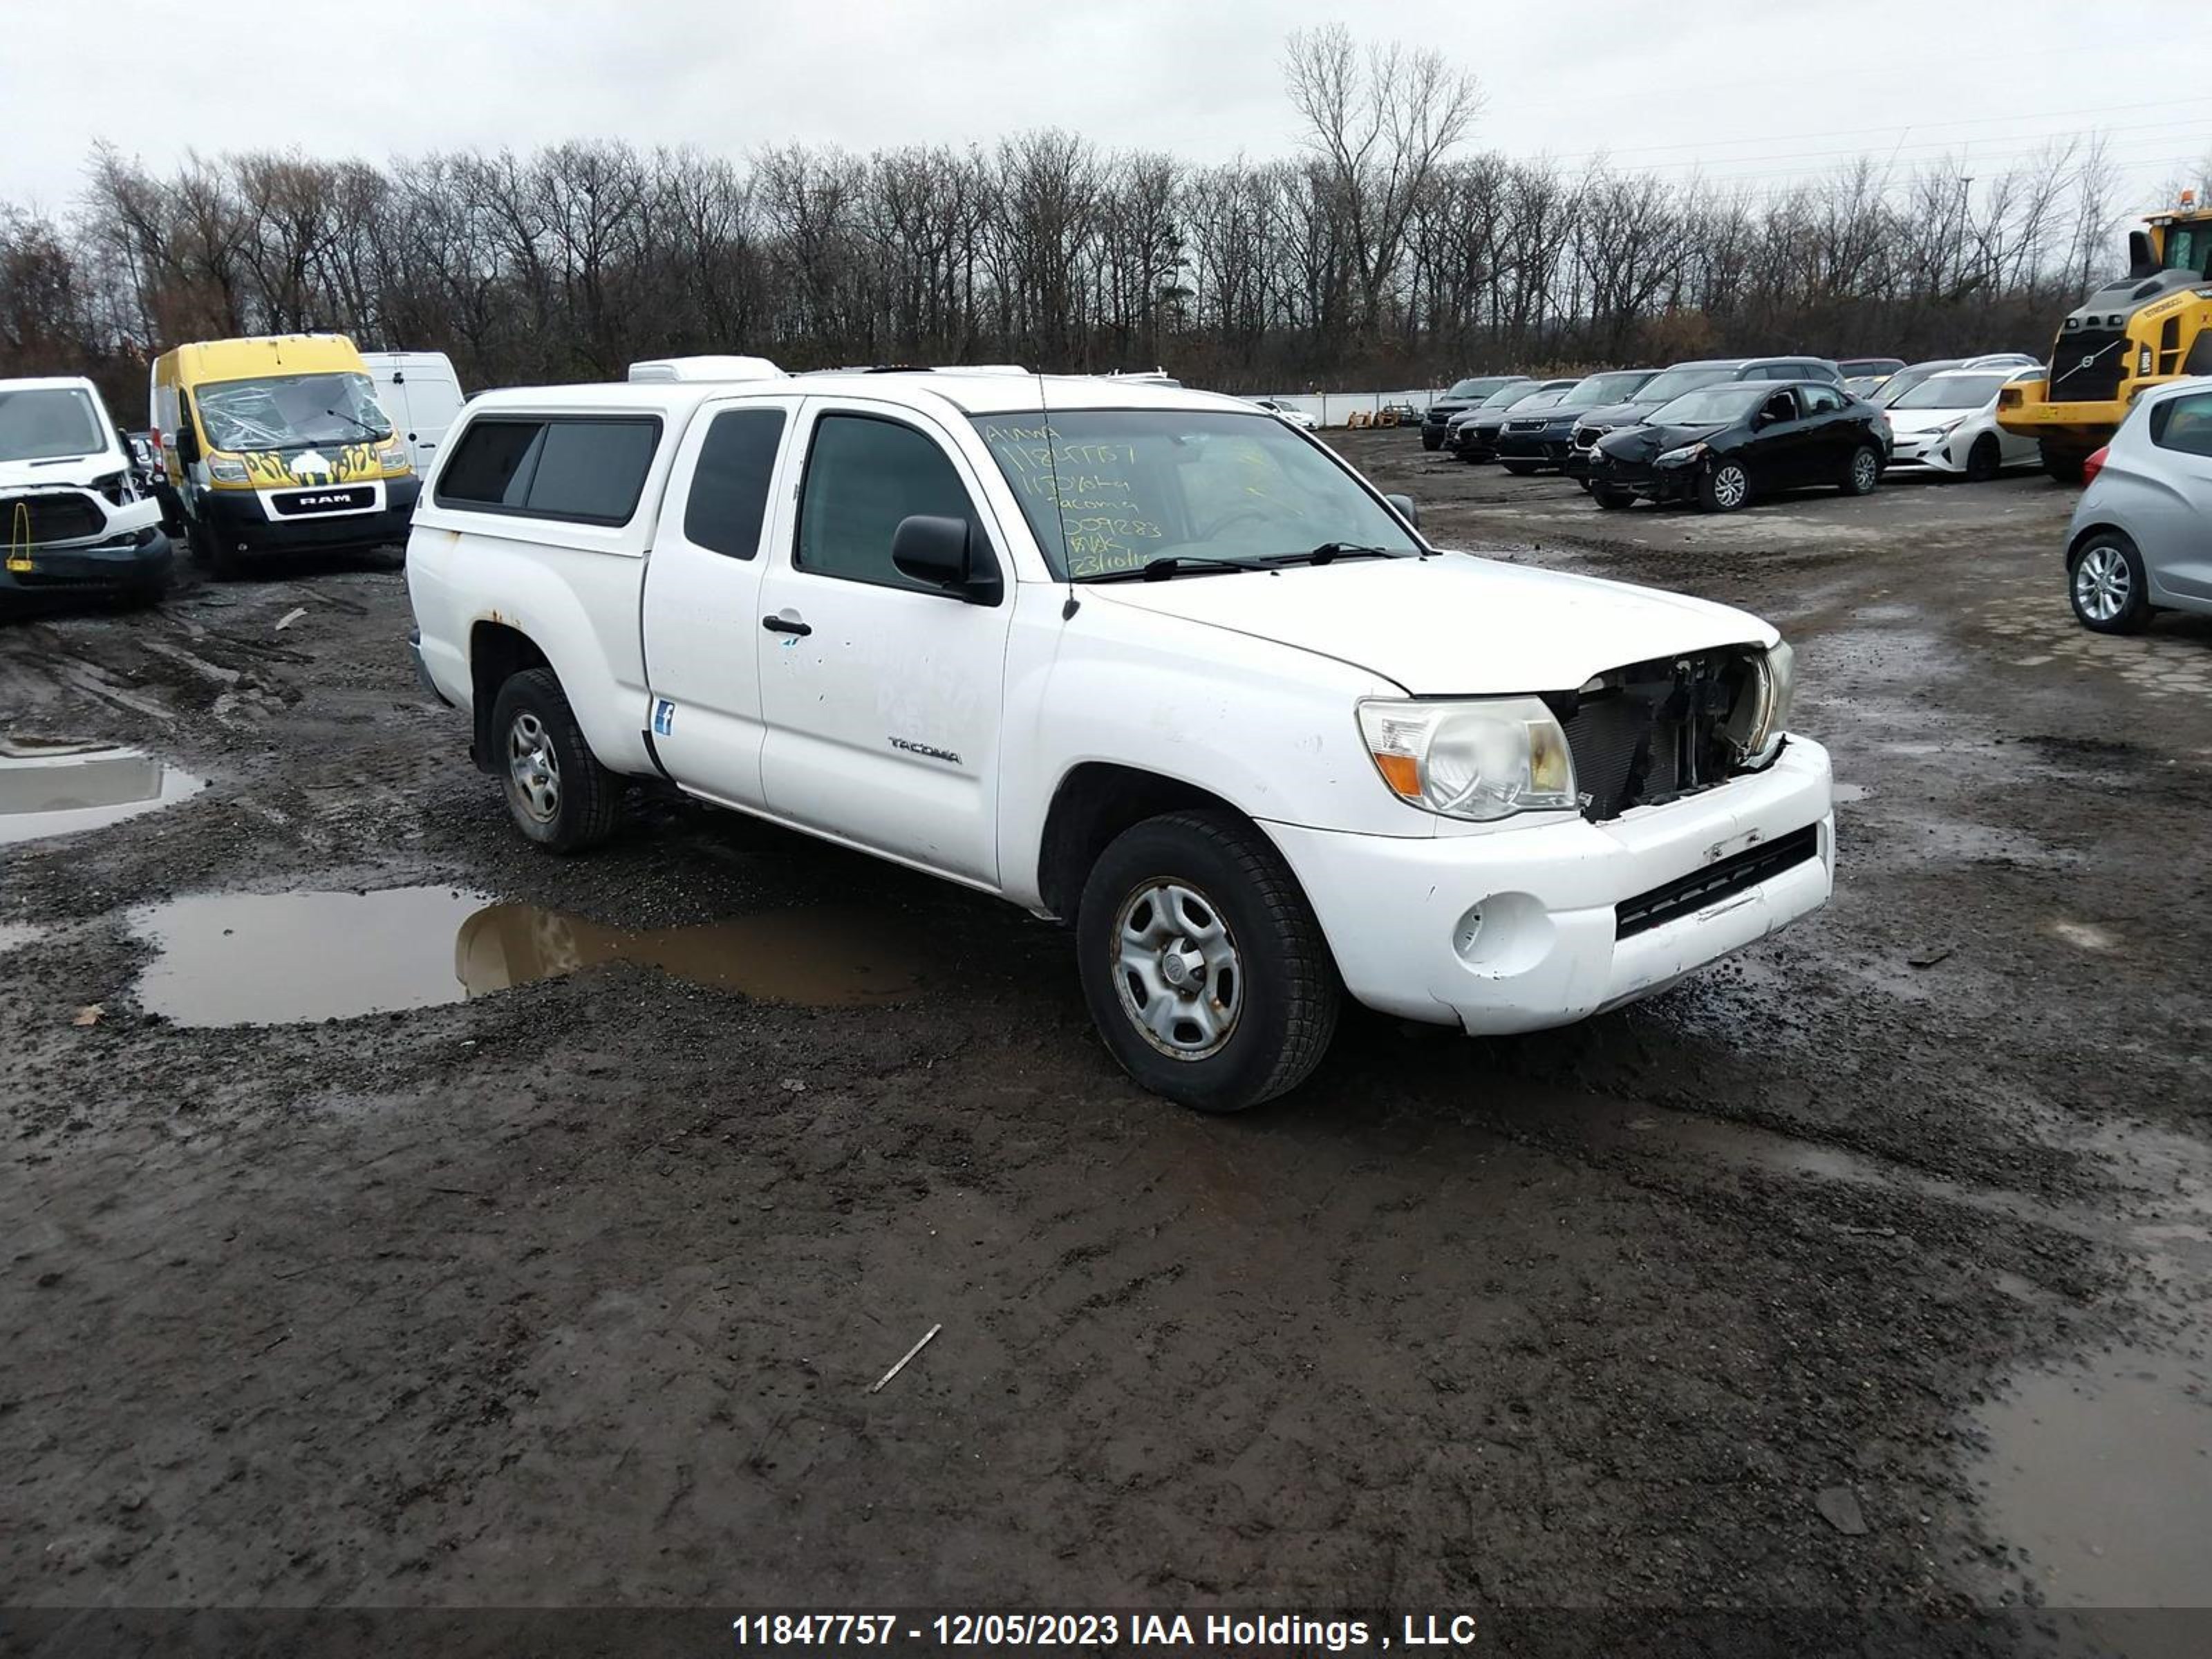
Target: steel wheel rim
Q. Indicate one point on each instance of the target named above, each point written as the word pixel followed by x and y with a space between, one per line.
pixel 2102 583
pixel 1729 486
pixel 1177 969
pixel 533 769
pixel 1862 469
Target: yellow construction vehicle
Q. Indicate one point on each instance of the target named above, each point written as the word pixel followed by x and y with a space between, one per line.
pixel 2153 325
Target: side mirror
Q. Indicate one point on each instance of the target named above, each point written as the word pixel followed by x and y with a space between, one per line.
pixel 1408 509
pixel 188 445
pixel 939 553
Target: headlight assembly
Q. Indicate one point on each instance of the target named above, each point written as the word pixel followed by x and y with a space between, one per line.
pixel 1684 456
pixel 226 469
pixel 1480 758
pixel 394 458
pixel 1761 717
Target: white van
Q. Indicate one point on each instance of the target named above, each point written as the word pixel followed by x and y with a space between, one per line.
pixel 421 393
pixel 72 516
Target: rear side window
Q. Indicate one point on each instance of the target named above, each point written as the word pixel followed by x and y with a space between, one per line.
pixel 1823 399
pixel 863 475
pixel 729 489
pixel 587 470
pixel 2184 424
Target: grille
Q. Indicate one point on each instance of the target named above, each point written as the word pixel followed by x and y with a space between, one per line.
pixel 1536 425
pixel 1653 731
pixel 54 517
pixel 1715 882
pixel 324 500
pixel 2079 382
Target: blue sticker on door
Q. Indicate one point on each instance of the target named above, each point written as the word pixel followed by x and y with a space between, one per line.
pixel 664 718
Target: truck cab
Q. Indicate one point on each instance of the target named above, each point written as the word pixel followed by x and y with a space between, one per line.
pixel 1146 661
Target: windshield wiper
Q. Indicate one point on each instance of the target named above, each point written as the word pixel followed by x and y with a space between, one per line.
pixel 363 425
pixel 1329 552
pixel 1173 564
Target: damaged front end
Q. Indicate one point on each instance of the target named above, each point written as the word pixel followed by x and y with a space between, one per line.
pixel 1655 732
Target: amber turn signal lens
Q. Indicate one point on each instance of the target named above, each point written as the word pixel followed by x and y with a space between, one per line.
pixel 1402 773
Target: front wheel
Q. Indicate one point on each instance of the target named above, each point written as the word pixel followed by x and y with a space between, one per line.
pixel 1427 442
pixel 1205 969
pixel 557 793
pixel 1725 488
pixel 1610 498
pixel 2108 586
pixel 1984 460
pixel 1864 472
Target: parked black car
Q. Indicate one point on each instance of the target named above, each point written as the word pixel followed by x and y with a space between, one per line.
pixel 1533 439
pixel 1463 395
pixel 1474 434
pixel 1681 378
pixel 1721 445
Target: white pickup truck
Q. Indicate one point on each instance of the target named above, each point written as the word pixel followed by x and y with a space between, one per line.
pixel 1147 660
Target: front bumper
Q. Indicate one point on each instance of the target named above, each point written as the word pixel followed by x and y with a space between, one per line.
pixel 1475 443
pixel 1548 448
pixel 1658 483
pixel 1930 453
pixel 1522 928
pixel 239 520
pixel 136 565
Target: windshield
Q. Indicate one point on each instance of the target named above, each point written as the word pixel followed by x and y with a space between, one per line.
pixel 49 423
pixel 1715 405
pixel 1110 489
pixel 1952 391
pixel 1468 389
pixel 1664 388
pixel 1606 388
pixel 1506 396
pixel 286 411
pixel 1905 379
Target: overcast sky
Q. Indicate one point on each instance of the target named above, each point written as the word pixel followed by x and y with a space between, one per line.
pixel 1764 90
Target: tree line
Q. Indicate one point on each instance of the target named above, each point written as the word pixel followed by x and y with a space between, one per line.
pixel 1383 253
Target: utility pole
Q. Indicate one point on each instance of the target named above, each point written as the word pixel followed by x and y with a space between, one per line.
pixel 1965 179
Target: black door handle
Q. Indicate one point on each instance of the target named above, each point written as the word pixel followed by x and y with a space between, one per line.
pixel 785 625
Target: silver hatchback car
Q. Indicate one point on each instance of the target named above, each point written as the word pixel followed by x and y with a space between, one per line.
pixel 2142 539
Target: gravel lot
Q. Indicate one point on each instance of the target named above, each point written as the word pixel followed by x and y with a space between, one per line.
pixel 1862 1276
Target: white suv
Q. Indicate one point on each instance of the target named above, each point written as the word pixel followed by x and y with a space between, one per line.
pixel 1145 659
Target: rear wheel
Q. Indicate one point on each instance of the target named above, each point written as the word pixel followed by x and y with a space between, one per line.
pixel 2107 585
pixel 1204 968
pixel 1725 488
pixel 1984 460
pixel 557 793
pixel 2063 465
pixel 1864 472
pixel 1610 498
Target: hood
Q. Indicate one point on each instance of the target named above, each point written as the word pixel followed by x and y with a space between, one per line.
pixel 1911 422
pixel 1641 443
pixel 77 472
pixel 1615 414
pixel 1451 624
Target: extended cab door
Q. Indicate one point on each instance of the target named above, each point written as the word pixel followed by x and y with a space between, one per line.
pixel 703 596
pixel 881 693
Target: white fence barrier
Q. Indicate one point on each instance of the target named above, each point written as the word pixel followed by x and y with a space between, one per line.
pixel 1337 408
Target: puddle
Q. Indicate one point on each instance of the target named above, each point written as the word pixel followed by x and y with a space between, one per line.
pixel 281 958
pixel 58 789
pixel 2104 1477
pixel 1843 794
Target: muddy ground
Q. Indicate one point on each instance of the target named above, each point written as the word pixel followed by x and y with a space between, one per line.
pixel 1851 1293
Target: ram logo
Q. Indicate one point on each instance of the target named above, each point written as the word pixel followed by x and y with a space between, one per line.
pixel 339 500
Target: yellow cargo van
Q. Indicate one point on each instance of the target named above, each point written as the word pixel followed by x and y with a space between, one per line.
pixel 275 445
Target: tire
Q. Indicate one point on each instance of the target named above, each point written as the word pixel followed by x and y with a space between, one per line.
pixel 1519 468
pixel 1984 460
pixel 1725 487
pixel 2063 465
pixel 1864 472
pixel 1609 498
pixel 1427 442
pixel 2107 586
pixel 558 795
pixel 1167 883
